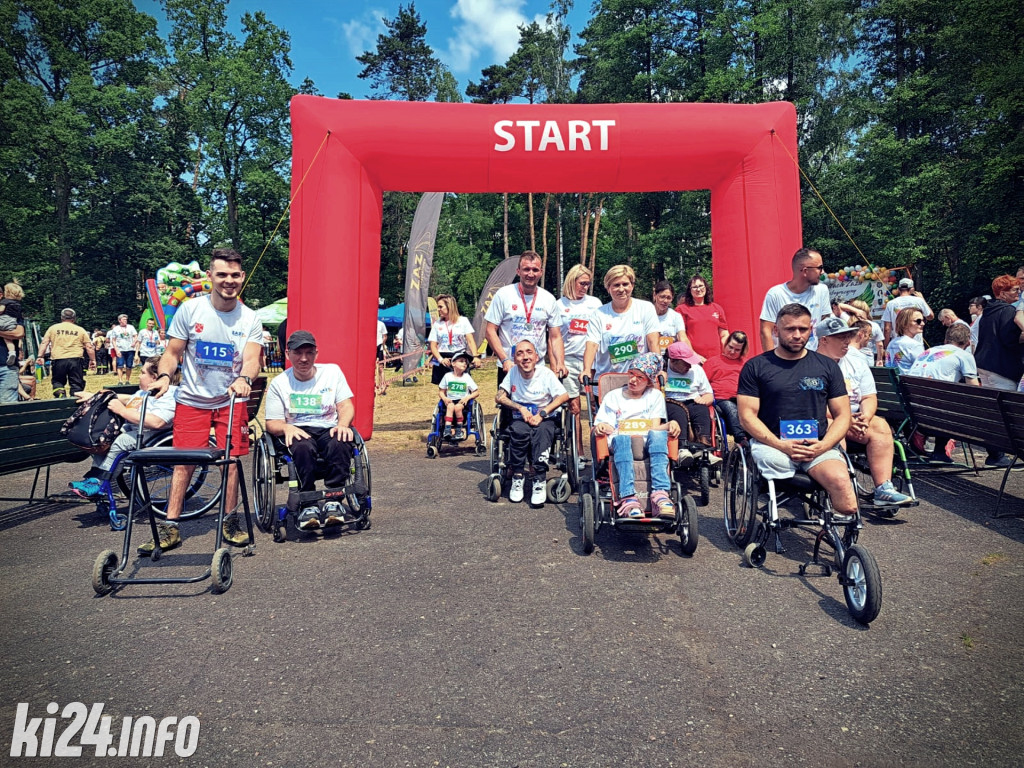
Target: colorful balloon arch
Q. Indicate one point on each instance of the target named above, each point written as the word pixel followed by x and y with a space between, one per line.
pixel 345 153
pixel 174 284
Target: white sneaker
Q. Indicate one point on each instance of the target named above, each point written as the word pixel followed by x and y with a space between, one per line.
pixel 539 494
pixel 309 519
pixel 515 493
pixel 334 514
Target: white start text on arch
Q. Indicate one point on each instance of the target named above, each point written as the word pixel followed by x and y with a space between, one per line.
pixel 542 136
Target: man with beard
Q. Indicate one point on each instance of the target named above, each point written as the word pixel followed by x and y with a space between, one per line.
pixel 218 341
pixel 785 396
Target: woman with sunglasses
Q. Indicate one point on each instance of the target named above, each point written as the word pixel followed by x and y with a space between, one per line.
pixel 575 308
pixel 904 349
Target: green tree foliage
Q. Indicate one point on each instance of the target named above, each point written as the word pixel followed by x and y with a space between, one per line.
pixel 403 66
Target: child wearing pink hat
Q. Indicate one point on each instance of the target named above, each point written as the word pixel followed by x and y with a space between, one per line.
pixel 639 399
pixel 688 393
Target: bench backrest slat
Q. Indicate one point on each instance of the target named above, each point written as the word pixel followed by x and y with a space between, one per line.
pixel 962 411
pixel 890 405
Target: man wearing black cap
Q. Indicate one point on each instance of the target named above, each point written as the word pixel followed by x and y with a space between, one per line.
pixel 310 408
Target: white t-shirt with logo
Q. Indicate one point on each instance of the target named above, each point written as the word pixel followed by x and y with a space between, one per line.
pixel 509 310
pixel 683 387
pixel 161 407
pixel 616 406
pixel 451 337
pixel 621 336
pixel 312 403
pixel 123 337
pixel 859 381
pixel 575 317
pixel 215 345
pixel 902 352
pixel 535 392
pixel 149 341
pixel 671 323
pixel 815 298
pixel 946 362
pixel 902 302
pixel 457 387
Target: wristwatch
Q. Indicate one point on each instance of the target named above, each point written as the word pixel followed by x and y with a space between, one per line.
pixel 246 379
pixel 543 414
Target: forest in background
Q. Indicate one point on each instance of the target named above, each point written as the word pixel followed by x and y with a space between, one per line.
pixel 122 150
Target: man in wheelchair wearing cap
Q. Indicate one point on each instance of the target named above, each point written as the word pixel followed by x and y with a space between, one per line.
pixel 309 407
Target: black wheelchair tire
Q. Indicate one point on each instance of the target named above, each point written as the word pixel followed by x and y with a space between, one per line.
pixel 864 595
pixel 202 477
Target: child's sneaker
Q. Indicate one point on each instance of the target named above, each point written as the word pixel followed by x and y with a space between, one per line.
pixel 662 506
pixel 629 507
pixel 515 493
pixel 12 359
pixel 87 488
pixel 447 432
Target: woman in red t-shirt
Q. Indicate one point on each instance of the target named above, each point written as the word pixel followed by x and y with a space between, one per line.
pixel 723 371
pixel 705 321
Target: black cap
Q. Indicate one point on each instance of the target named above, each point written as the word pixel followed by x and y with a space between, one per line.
pixel 464 355
pixel 301 339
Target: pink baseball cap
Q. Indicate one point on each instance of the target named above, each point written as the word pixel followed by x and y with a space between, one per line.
pixel 680 350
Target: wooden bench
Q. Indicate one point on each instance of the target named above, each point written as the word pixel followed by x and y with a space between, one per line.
pixel 30 438
pixel 890 400
pixel 973 415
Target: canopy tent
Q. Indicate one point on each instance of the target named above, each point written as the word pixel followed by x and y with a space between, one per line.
pixel 394 317
pixel 273 314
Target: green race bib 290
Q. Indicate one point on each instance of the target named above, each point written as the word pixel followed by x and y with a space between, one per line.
pixel 624 350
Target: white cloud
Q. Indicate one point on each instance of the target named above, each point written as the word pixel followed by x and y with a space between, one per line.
pixel 486 32
pixel 359 35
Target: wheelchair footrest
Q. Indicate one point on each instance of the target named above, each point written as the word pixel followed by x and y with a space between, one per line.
pixel 826 569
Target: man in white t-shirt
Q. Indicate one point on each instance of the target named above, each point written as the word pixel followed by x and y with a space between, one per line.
pixel 218 341
pixel 148 341
pixel 951 361
pixel 310 408
pixel 123 336
pixel 524 310
pixel 908 297
pixel 834 337
pixel 532 393
pixel 805 289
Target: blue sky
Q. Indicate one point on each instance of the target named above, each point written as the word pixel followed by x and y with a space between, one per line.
pixel 327 35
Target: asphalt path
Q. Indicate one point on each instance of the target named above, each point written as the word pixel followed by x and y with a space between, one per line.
pixel 457 632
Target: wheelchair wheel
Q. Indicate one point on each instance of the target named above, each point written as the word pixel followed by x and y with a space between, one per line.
pixel 705 485
pixel 495 448
pixel 689 533
pixel 493 488
pixel 864 484
pixel 863 590
pixel 558 490
pixel 264 485
pixel 202 494
pixel 587 522
pixel 740 507
pixel 361 464
pixel 431 451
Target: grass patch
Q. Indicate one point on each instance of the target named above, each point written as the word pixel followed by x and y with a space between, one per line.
pixel 993 559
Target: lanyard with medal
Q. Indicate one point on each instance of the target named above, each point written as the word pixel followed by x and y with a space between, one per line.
pixel 527 310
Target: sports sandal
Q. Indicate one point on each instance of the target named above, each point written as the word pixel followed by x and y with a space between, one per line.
pixel 662 506
pixel 629 507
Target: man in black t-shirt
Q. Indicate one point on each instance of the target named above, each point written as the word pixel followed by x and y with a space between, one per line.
pixel 784 398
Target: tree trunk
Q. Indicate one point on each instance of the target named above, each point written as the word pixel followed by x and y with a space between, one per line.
pixel 585 232
pixel 544 234
pixel 597 226
pixel 533 234
pixel 62 203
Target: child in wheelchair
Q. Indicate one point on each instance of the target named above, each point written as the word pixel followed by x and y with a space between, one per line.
pixel 159 416
pixel 639 408
pixel 457 390
pixel 688 397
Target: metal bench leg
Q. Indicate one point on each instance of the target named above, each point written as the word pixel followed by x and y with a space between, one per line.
pixel 1002 487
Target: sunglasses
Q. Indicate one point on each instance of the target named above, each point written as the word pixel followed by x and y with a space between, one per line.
pixel 917 322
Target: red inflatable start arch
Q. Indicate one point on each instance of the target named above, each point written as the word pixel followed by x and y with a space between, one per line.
pixel 345 153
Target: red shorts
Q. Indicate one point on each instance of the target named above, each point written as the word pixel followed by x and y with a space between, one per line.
pixel 192 427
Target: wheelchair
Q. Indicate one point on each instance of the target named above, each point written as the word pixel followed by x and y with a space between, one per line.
pixel 108 567
pixel 200 496
pixel 563 457
pixel 474 427
pixel 864 485
pixel 708 461
pixel 272 466
pixel 752 520
pixel 598 498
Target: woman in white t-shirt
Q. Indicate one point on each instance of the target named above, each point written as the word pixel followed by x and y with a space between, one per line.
pixel 451 334
pixel 671 326
pixel 620 330
pixel 904 349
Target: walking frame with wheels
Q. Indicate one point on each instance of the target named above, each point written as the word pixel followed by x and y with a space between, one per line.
pixel 598 494
pixel 752 519
pixel 272 466
pixel 107 570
